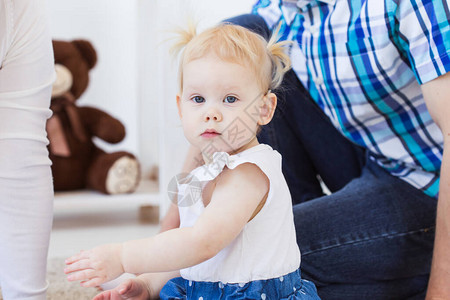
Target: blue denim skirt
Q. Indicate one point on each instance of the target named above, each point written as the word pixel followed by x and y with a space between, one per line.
pixel 288 287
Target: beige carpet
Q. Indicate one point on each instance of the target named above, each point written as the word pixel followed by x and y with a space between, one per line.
pixel 60 288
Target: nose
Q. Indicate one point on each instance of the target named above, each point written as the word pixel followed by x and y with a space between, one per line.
pixel 213 115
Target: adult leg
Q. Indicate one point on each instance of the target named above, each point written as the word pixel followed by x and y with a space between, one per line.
pixel 308 142
pixel 373 239
pixel 25 218
pixel 26 190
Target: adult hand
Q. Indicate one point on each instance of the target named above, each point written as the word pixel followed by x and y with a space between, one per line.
pixel 95 266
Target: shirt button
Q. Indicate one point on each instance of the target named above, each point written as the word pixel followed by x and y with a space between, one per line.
pixel 318 80
pixel 313 28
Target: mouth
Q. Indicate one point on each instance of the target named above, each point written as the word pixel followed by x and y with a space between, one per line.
pixel 210 133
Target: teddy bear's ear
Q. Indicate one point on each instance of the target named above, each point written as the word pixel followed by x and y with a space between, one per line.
pixel 87 50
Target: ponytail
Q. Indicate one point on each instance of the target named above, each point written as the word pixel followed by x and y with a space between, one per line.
pixel 280 59
pixel 184 36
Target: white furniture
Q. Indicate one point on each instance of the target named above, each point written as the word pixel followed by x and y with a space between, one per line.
pixel 147 193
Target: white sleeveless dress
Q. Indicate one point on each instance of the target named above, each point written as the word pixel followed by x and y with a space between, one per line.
pixel 263 261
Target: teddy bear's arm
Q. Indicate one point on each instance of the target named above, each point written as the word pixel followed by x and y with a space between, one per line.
pixel 102 125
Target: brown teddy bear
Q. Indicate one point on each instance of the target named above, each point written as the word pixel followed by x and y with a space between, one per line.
pixel 77 162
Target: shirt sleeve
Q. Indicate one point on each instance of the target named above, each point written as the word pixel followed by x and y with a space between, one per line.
pixel 270 11
pixel 424 36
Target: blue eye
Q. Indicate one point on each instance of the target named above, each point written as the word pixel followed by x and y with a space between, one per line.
pixel 198 99
pixel 230 99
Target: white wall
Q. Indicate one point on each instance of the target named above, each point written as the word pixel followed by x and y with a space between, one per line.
pixel 135 79
pixel 112 28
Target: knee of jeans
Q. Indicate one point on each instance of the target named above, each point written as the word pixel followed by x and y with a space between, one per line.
pixel 254 23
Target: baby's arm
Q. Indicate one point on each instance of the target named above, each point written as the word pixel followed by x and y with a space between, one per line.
pixel 235 198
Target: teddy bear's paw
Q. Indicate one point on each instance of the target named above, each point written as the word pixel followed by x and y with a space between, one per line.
pixel 123 176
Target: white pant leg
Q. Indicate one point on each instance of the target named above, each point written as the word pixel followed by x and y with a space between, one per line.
pixel 26 191
pixel 26 205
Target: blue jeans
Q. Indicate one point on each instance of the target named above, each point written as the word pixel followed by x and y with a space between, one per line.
pixel 288 287
pixel 372 238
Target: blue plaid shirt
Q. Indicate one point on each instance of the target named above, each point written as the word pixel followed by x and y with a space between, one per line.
pixel 363 62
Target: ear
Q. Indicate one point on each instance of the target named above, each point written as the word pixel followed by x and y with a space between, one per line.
pixel 87 51
pixel 267 108
pixel 179 106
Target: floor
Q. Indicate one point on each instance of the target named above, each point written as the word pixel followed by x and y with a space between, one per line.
pixel 85 226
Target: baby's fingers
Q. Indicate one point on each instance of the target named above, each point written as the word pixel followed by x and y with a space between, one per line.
pixel 82 275
pixel 108 295
pixel 93 282
pixel 124 288
pixel 78 266
pixel 77 257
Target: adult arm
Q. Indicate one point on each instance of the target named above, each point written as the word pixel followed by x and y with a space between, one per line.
pixel 437 97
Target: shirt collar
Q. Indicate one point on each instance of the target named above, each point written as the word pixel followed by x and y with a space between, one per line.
pixel 290 7
pixel 303 3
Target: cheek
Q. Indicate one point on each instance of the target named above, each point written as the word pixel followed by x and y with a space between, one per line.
pixel 190 125
pixel 240 129
pixel 251 118
pixel 186 123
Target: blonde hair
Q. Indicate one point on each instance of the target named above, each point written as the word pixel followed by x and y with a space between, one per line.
pixel 236 44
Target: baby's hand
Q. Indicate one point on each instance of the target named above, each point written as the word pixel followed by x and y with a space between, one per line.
pixel 95 266
pixel 132 289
